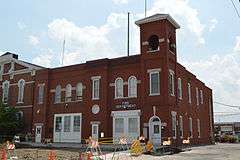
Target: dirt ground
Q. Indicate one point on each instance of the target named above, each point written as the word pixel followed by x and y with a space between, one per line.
pixel 211 152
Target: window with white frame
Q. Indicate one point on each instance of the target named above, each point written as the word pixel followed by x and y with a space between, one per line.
pixel 174 124
pixel 79 91
pixel 5 88
pixel 1 72
pixel 21 85
pixel 119 88
pixel 40 93
pixel 190 128
pixel 76 123
pixel 201 96
pixel 132 125
pixel 67 123
pixel 197 96
pixel 58 124
pixel 179 88
pixel 198 128
pixel 132 86
pixel 189 93
pixel 181 126
pixel 95 87
pixel 171 82
pixel 58 94
pixel 68 93
pixel 119 125
pixel 154 83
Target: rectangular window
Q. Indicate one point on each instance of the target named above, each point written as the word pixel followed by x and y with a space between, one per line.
pixel 201 96
pixel 5 91
pixel 197 96
pixel 199 128
pixel 174 124
pixel 154 83
pixel 156 129
pixel 95 88
pixel 181 126
pixel 67 123
pixel 171 83
pixel 190 128
pixel 189 93
pixel 58 124
pixel 76 124
pixel 40 93
pixel 179 88
pixel 132 125
pixel 119 125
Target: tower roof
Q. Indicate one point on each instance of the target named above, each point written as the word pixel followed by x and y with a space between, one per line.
pixel 157 17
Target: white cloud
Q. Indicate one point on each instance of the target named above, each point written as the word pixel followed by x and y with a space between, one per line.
pixel 33 40
pixel 120 1
pixel 88 42
pixel 44 59
pixel 222 74
pixel 21 25
pixel 213 23
pixel 184 13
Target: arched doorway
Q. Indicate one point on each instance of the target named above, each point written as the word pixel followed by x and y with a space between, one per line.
pixel 155 130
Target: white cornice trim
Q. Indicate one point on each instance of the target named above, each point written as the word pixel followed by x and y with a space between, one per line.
pixel 28 106
pixel 154 70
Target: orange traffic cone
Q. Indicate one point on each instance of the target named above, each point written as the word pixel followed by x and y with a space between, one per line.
pixel 4 154
pixel 51 155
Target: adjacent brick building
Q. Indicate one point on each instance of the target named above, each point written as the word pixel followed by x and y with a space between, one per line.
pixel 148 94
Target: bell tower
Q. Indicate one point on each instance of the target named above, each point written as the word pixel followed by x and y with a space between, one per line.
pixel 158 35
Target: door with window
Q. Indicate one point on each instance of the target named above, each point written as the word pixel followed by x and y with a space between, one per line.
pixel 126 124
pixel 155 130
pixel 38 134
pixel 67 127
pixel 95 128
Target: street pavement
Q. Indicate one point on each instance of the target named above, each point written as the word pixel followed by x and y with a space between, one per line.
pixel 210 152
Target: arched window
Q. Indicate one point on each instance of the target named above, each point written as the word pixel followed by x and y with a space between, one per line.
pixel 189 93
pixel 132 86
pixel 79 92
pixel 68 93
pixel 119 88
pixel 58 94
pixel 21 85
pixel 5 88
pixel 153 43
pixel 190 128
pixel 179 88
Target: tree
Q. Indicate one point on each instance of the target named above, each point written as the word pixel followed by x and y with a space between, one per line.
pixel 10 121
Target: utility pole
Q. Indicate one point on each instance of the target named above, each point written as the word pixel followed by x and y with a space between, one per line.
pixel 145 8
pixel 128 35
pixel 63 50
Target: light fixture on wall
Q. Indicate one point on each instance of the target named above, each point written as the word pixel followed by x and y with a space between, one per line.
pixel 66 106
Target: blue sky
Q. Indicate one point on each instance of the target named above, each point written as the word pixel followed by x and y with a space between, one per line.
pixel 208 41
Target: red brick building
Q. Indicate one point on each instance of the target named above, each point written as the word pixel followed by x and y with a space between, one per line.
pixel 149 93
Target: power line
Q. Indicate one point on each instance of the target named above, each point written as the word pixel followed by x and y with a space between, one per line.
pixel 227 105
pixel 235 9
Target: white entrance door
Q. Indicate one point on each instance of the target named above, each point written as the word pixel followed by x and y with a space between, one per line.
pixel 126 124
pixel 67 127
pixel 95 131
pixel 38 134
pixel 155 130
